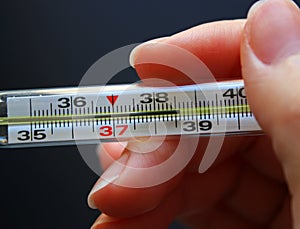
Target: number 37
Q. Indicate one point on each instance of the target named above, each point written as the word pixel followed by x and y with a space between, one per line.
pixel 107 131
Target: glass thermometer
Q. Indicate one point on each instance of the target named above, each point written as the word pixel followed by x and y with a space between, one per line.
pixel 58 116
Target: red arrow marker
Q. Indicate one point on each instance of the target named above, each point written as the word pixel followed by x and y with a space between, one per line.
pixel 112 98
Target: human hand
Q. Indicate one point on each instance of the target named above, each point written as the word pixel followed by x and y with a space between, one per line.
pixel 254 182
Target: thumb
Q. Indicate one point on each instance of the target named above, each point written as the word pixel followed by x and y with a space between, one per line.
pixel 270 54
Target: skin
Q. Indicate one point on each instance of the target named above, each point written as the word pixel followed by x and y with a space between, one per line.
pixel 254 181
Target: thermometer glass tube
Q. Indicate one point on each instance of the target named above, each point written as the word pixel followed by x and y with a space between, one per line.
pixel 58 116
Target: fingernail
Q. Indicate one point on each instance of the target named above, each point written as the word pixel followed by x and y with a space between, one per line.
pixel 108 177
pixel 273 30
pixel 137 48
pixel 102 183
pixel 102 219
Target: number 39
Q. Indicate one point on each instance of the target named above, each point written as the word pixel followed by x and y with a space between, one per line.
pixel 190 126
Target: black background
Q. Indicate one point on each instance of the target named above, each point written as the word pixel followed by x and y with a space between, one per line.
pixel 52 43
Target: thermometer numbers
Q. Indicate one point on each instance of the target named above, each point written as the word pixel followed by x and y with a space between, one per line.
pixel 159 97
pixel 25 135
pixel 65 102
pixel 108 131
pixel 232 93
pixel 190 126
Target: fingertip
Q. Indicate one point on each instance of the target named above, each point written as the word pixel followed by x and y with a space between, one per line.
pixel 135 50
pixel 90 202
pixel 100 184
pixel 273 38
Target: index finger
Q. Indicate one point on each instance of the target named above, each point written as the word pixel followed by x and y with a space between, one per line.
pixel 216 44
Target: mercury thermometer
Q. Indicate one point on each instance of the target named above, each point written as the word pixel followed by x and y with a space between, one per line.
pixel 42 117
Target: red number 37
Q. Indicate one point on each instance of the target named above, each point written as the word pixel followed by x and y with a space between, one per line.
pixel 107 131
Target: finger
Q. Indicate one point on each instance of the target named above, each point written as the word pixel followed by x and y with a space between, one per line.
pixel 117 190
pixel 121 201
pixel 196 192
pixel 270 63
pixel 216 44
pixel 160 217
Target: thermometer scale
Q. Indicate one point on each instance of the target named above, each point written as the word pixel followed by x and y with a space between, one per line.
pixel 79 115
